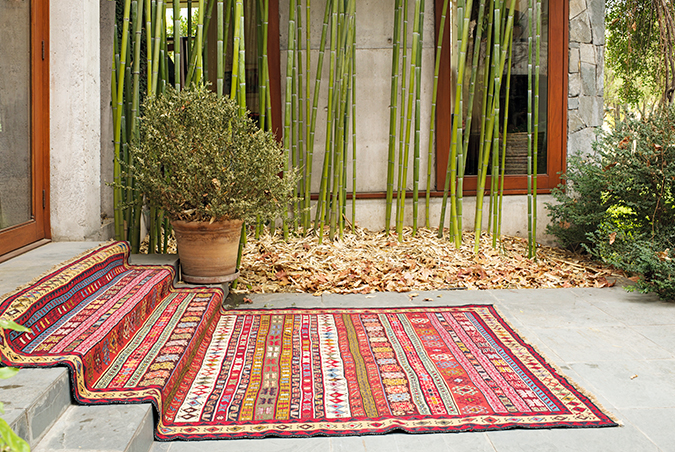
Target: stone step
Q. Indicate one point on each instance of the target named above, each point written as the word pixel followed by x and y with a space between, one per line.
pixel 109 428
pixel 39 408
pixel 34 400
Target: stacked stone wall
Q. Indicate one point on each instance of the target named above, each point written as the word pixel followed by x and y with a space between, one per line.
pixel 586 62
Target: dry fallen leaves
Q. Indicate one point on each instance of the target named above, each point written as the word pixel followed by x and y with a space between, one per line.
pixel 366 262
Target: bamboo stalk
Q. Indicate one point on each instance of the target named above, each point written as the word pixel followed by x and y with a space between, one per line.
pixel 301 126
pixel 298 112
pixel 315 103
pixel 470 104
pixel 402 119
pixel 288 109
pixel 353 101
pixel 199 67
pixel 236 42
pixel 498 231
pixel 434 98
pixel 189 34
pixel 156 41
pixel 418 119
pixel 393 112
pixel 148 44
pixel 220 35
pixel 328 155
pixel 499 54
pixel 408 119
pixel 117 191
pixel 535 150
pixel 308 113
pixel 176 44
pixel 451 171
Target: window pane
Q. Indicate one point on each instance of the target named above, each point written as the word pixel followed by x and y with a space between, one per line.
pixel 15 119
pixel 516 136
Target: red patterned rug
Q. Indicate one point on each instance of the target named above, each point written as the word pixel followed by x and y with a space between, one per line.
pixel 128 336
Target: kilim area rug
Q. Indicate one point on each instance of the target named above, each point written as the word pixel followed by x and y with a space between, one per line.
pixel 128 335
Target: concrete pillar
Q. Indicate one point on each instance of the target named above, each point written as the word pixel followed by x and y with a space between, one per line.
pixel 75 111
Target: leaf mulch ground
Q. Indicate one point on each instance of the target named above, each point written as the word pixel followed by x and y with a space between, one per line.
pixel 366 262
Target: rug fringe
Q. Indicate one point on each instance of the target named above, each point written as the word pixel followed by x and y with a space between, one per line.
pixel 53 269
pixel 560 371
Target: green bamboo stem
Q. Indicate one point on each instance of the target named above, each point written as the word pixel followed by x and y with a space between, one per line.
pixel 475 61
pixel 229 7
pixel 411 91
pixel 346 49
pixel 486 87
pixel 535 144
pixel 176 44
pixel 148 44
pixel 402 163
pixel 434 99
pixel 498 230
pixel 308 113
pixel 418 118
pixel 338 146
pixel 288 99
pixel 264 118
pixel 353 102
pixel 117 191
pixel 299 113
pixel 236 43
pixel 296 162
pixel 115 66
pixel 199 66
pixel 189 34
pixel 328 156
pixel 393 113
pixel 499 53
pixel 451 171
pixel 220 35
pixel 315 104
pixel 492 211
pixel 207 21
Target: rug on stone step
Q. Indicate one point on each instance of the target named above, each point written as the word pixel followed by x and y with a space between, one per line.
pixel 128 336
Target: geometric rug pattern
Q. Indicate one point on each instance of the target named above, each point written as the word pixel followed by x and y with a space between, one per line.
pixel 129 336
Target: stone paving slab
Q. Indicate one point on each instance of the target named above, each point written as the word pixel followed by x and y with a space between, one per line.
pixel 26 267
pixel 109 428
pixel 34 399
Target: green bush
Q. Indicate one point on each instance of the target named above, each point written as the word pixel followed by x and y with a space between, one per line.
pixel 619 201
pixel 197 159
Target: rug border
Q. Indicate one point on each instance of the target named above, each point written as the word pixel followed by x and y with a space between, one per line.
pixel 586 396
pixel 560 373
pixel 60 266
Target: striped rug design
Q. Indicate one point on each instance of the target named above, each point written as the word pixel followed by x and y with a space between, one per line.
pixel 129 336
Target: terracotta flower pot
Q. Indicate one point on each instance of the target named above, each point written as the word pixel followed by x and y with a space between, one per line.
pixel 208 252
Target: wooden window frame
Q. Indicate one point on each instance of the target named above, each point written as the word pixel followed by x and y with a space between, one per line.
pixel 38 228
pixel 558 50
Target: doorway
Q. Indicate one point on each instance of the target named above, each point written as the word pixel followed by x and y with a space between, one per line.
pixel 24 123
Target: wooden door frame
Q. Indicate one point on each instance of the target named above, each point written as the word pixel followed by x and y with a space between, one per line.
pixel 38 228
pixel 558 62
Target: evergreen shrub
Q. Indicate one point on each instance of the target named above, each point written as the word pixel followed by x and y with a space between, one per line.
pixel 618 202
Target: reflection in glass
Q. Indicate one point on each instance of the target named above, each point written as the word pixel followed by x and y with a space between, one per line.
pixel 516 137
pixel 15 113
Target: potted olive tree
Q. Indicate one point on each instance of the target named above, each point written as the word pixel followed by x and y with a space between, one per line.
pixel 209 169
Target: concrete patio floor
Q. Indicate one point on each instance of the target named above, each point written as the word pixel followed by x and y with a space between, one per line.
pixel 616 345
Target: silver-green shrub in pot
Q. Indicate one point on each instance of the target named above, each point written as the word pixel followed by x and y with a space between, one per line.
pixel 209 169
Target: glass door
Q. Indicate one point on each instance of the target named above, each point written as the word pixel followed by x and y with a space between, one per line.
pixel 24 127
